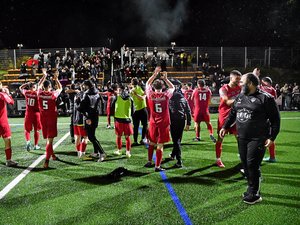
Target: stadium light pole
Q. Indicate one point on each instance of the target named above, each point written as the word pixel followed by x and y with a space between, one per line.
pixel 20 46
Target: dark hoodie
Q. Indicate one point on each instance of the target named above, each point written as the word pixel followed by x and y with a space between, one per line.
pixel 89 106
pixel 179 108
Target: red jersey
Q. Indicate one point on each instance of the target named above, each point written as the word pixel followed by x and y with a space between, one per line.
pixel 47 102
pixel 32 105
pixel 269 89
pixel 158 103
pixel 188 96
pixel 4 99
pixel 231 93
pixel 201 98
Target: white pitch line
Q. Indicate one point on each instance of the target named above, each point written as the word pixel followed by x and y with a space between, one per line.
pixel 13 183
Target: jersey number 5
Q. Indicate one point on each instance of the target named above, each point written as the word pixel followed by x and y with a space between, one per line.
pixel 158 108
pixel 45 104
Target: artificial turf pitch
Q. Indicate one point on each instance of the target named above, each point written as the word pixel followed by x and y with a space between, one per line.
pixel 75 191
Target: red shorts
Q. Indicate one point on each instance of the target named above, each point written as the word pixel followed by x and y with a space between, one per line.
pixel 123 128
pixel 5 131
pixel 201 117
pixel 49 126
pixel 32 120
pixel 231 130
pixel 159 134
pixel 79 131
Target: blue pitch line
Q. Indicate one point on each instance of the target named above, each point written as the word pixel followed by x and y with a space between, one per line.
pixel 176 200
pixel 185 217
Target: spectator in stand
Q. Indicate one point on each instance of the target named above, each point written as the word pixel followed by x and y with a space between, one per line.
pixel 23 68
pixel 5 132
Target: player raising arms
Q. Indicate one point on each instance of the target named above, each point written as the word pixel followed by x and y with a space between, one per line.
pixel 47 105
pixel 159 124
pixel 5 133
pixel 228 93
pixel 201 98
pixel 32 114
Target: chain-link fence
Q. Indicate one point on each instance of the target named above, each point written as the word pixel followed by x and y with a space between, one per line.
pixel 224 56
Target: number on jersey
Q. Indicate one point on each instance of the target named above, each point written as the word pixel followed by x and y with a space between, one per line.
pixel 45 104
pixel 158 108
pixel 202 96
pixel 31 101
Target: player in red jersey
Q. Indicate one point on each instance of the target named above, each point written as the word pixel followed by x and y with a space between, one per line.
pixel 201 97
pixel 227 92
pixel 47 105
pixel 188 96
pixel 266 85
pixel 5 133
pixel 110 93
pixel 159 124
pixel 32 114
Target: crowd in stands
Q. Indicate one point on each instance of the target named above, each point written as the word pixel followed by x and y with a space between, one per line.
pixel 74 66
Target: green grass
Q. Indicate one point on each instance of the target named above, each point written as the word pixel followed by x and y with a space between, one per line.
pixel 81 192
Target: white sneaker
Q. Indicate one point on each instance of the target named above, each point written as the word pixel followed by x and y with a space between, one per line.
pixel 94 155
pixel 28 146
pixel 128 155
pixel 117 152
pixel 11 163
pixel 36 147
pixel 102 157
pixel 79 154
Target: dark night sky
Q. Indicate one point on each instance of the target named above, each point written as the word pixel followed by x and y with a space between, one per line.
pixel 82 23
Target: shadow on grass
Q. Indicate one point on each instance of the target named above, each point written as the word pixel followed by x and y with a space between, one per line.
pixel 113 177
pixel 284 204
pixel 284 197
pixel 182 144
pixel 68 153
pixel 199 170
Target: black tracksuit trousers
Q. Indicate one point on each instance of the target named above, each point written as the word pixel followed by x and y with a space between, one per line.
pixel 251 154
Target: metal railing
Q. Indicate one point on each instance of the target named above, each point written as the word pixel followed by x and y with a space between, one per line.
pixel 224 56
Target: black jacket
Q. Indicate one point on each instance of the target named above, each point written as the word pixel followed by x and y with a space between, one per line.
pixel 257 116
pixel 90 105
pixel 179 108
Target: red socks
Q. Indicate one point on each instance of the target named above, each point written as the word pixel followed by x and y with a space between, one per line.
pixel 158 157
pixel 8 153
pixel 210 129
pixel 198 131
pixel 27 135
pixel 218 149
pixel 150 152
pixel 272 151
pixel 83 146
pixel 49 151
pixel 128 143
pixel 119 142
pixel 36 137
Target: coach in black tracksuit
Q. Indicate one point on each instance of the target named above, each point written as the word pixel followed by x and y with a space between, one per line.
pixel 89 106
pixel 258 122
pixel 179 112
